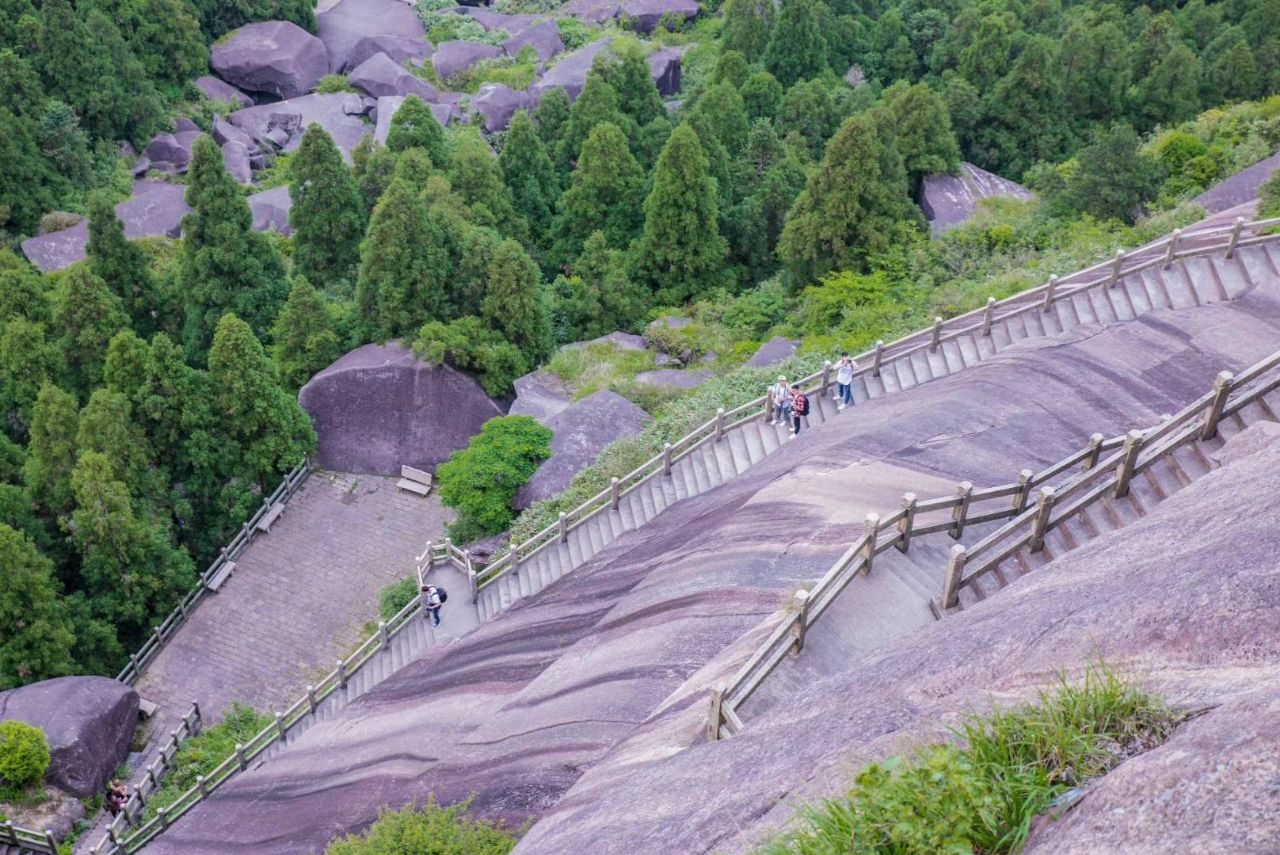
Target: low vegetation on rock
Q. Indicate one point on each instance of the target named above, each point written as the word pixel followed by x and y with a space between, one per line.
pixel 429 830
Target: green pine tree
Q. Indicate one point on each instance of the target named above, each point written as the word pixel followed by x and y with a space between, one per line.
pixel 922 131
pixel 36 634
pixel 599 297
pixel 476 178
pixel 598 102
pixel 51 452
pixel 122 265
pixel 30 184
pixel 515 304
pixel 762 96
pixel 529 175
pixel 413 126
pixel 1114 178
pixel 726 116
pixel 746 27
pixel 28 360
pixel 373 165
pixel 605 195
pixel 89 315
pixel 797 49
pixel 327 215
pixel 628 73
pixel 551 116
pixel 304 338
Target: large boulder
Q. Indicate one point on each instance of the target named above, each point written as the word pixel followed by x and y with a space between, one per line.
pixel 222 92
pixel 171 152
pixel 495 21
pixel 282 123
pixel 539 394
pixel 670 378
pixel 620 340
pixel 1239 188
pixel 225 132
pixel 543 38
pixel 389 104
pixel 498 103
pixel 949 200
pixel 582 430
pixel 773 351
pixel 89 722
pixel 402 49
pixel 235 157
pixel 570 71
pixel 592 11
pixel 275 57
pixel 664 68
pixel 644 15
pixel 381 75
pixel 379 407
pixel 346 25
pixel 453 58
pixel 271 210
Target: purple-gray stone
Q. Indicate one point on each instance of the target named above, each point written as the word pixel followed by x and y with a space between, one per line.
pixel 670 378
pixel 222 92
pixel 182 123
pixel 324 110
pixel 225 132
pixel 592 11
pixel 582 430
pixel 379 407
pixel 235 157
pixel 492 21
pixel 498 103
pixel 381 75
pixel 453 58
pixel 402 49
pixel 271 210
pixel 773 351
pixel 347 24
pixel 620 340
pixel 543 38
pixel 644 15
pixel 539 394
pixel 570 71
pixel 275 57
pixel 664 68
pixel 89 722
pixel 171 152
pixel 949 200
pixel 1239 188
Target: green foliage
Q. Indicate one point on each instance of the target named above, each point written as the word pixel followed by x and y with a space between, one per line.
pixel 746 27
pixel 413 126
pixel 726 116
pixel 598 102
pixel 1269 197
pixel 1114 178
pixel 761 96
pixel 202 753
pixel 529 174
pixel 304 339
pixel 922 131
pixel 591 367
pixel 480 481
pixel 88 315
pixel 24 753
pixel 599 297
pixel 627 71
pixel 983 796
pixel 477 181
pixel 36 633
pixel 471 344
pixel 797 48
pixel 122 265
pixel 332 83
pixel 51 452
pixel 604 195
pixel 373 166
pixel 515 304
pixel 327 216
pixel 394 597
pixel 429 830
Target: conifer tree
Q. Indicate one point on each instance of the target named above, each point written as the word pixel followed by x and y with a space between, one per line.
pixel 650 142
pixel 51 453
pixel 681 253
pixel 599 297
pixel 515 304
pixel 31 184
pixel 36 634
pixel 373 165
pixel 106 425
pixel 732 68
pixel 413 126
pixel 224 265
pixel 88 315
pixel 28 360
pixel 327 215
pixel 605 195
pixel 1025 110
pixel 726 116
pixel 529 174
pixel 551 116
pixel 304 338
pixel 628 73
pixel 476 178
pixel 122 265
pixel 746 27
pixel 797 48
pixel 922 131
pixel 598 102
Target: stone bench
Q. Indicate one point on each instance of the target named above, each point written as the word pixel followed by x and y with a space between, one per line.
pixel 221 576
pixel 273 513
pixel 147 708
pixel 414 480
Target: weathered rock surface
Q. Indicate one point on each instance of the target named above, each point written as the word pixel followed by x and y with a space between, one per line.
pixel 171 152
pixel 235 156
pixel 88 721
pixel 402 49
pixel 540 395
pixel 592 11
pixel 275 57
pixel 225 132
pixel 1239 188
pixel 543 38
pixel 222 92
pixel 266 121
pixel 498 103
pixel 664 68
pixel 620 340
pixel 948 200
pixel 344 27
pixel 379 407
pixel 644 15
pixel 271 210
pixel 773 351
pixel 570 71
pixel 453 58
pixel 582 430
pixel 380 75
pixel 670 378
pixel 492 21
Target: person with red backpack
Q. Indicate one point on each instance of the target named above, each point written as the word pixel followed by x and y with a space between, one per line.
pixel 799 408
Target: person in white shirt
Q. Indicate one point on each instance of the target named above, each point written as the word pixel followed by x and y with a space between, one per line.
pixel 433 602
pixel 780 400
pixel 844 380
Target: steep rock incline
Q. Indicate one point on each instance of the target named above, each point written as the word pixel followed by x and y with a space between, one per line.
pixel 515 712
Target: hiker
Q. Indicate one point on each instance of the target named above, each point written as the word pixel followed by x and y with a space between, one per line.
pixel 432 599
pixel 799 408
pixel 117 795
pixel 780 400
pixel 844 380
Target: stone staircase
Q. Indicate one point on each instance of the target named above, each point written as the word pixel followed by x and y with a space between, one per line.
pixel 1186 283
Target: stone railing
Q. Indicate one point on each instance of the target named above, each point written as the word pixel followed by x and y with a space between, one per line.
pixel 212 578
pixel 27 840
pixel 1106 466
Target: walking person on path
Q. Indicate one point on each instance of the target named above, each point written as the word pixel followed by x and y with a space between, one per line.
pixel 433 598
pixel 799 408
pixel 780 399
pixel 844 380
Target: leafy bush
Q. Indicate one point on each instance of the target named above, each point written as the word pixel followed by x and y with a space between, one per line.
pixel 202 753
pixel 471 344
pixel 981 796
pixel 429 830
pixel 331 83
pixel 1269 196
pixel 480 481
pixel 442 26
pixel 24 754
pixel 394 597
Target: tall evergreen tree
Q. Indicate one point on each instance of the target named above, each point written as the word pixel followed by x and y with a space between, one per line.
pixel 605 195
pixel 36 634
pixel 224 265
pixel 1025 113
pixel 922 131
pixel 761 96
pixel 515 304
pixel 373 165
pixel 726 116
pixel 1171 92
pixel 122 265
pixel 476 178
pixel 304 338
pixel 599 297
pixel 107 426
pixel 628 73
pixel 746 27
pixel 51 453
pixel 530 175
pixel 732 68
pixel 550 116
pixel 797 48
pixel 1114 178
pixel 29 184
pixel 327 215
pixel 89 315
pixel 28 360
pixel 413 126
pixel 681 253
pixel 598 102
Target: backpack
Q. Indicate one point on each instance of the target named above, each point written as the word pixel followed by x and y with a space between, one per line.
pixel 802 404
pixel 442 594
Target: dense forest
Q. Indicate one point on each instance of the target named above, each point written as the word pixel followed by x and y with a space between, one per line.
pixel 148 391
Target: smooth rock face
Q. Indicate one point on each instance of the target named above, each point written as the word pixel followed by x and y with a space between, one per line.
pixel 325 110
pixel 664 68
pixel 492 21
pixel 498 103
pixel 378 408
pixel 225 132
pixel 570 72
pixel 389 104
pixel 453 58
pixel 582 430
pixel 544 38
pixel 673 379
pixel 1239 188
pixel 88 721
pixel 592 11
pixel 222 92
pixel 346 25
pixel 380 75
pixel 171 152
pixel 271 210
pixel 276 57
pixel 402 49
pixel 644 15
pixel 948 200
pixel 620 340
pixel 235 156
pixel 539 394
pixel 774 350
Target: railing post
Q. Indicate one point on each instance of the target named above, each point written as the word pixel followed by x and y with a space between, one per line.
pixel 613 493
pixel 163 815
pixel 666 453
pixel 908 521
pixel 1173 248
pixel 802 620
pixel 1095 451
pixel 1050 294
pixel 1213 410
pixel 342 673
pixel 1124 472
pixel 240 758
pixel 826 377
pixel 878 359
pixel 717 701
pixel 383 638
pixel 564 526
pixel 311 699
pixel 280 731
pixel 1044 506
pixel 472 581
pixel 719 424
pixel 201 787
pixel 988 315
pixel 1235 236
pixel 51 842
pixel 937 335
pixel 955 569
pixel 11 834
pixel 1024 491
pixel 965 491
pixel 872 523
pixel 1115 268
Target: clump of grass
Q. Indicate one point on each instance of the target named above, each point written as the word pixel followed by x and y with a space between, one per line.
pixel 981 794
pixel 593 367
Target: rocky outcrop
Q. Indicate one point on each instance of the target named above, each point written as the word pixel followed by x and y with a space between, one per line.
pixel 641 15
pixel 235 157
pixel 543 38
pixel 453 58
pixel 171 152
pixel 671 378
pixel 664 68
pixel 222 92
pixel 274 57
pixel 582 430
pixel 350 24
pixel 379 407
pixel 948 200
pixel 773 351
pixel 570 71
pixel 88 721
pixel 380 75
pixel 280 125
pixel 1239 188
pixel 498 103
pixel 540 395
pixel 620 340
pixel 402 49
pixel 494 21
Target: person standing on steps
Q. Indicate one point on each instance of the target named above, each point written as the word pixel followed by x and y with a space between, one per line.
pixel 799 408
pixel 844 380
pixel 432 599
pixel 780 400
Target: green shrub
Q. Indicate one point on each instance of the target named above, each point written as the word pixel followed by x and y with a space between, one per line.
pixel 331 83
pixel 471 344
pixel 202 753
pixel 394 597
pixel 1269 197
pixel 480 481
pixel 24 754
pixel 685 344
pixel 429 830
